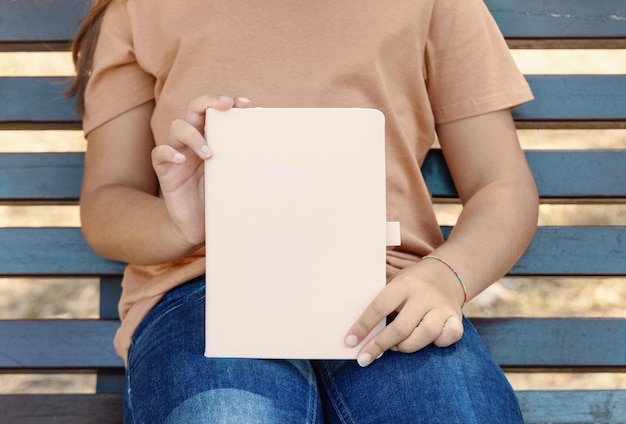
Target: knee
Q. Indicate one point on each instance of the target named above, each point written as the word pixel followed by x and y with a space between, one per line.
pixel 234 406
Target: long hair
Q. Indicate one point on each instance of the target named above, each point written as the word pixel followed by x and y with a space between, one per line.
pixel 83 47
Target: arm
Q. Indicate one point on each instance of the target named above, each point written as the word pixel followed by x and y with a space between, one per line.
pixel 497 223
pixel 123 217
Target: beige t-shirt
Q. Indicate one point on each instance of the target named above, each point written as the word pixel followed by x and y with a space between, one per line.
pixel 419 62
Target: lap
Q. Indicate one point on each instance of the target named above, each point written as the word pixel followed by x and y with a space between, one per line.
pixel 170 380
pixel 458 384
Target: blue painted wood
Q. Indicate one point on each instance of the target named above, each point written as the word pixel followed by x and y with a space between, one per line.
pixel 559 19
pixel 51 251
pixel 553 251
pixel 579 174
pixel 110 382
pixel 515 343
pixel 538 407
pixel 575 251
pixel 559 174
pixel 49 21
pixel 59 345
pixel 61 408
pixel 36 99
pixel 41 100
pixel 573 406
pixel 110 292
pixel 41 176
pixel 40 20
pixel 558 251
pixel 79 345
pixel 555 342
pixel 575 97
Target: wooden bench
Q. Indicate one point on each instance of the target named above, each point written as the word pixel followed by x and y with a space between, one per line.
pixel 521 344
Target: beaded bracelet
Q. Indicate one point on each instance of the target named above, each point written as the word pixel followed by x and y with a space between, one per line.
pixel 455 273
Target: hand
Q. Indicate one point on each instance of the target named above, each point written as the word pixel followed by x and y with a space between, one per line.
pixel 428 306
pixel 179 166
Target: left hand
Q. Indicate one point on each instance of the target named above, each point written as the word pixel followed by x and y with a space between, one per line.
pixel 428 306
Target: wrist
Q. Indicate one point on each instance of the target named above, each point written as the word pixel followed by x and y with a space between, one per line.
pixel 452 270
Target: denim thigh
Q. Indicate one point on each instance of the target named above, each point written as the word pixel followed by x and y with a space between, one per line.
pixel 169 380
pixel 457 384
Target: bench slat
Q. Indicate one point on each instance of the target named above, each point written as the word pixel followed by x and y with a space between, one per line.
pixel 44 21
pixel 573 406
pixel 51 24
pixel 51 251
pixel 555 342
pixel 58 345
pixel 40 101
pixel 561 174
pixel 559 19
pixel 575 97
pixel 62 408
pixel 526 343
pixel 553 251
pixel 594 174
pixel 566 251
pixel 519 344
pixel 41 176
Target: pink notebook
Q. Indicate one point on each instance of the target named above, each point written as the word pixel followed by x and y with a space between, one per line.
pixel 295 229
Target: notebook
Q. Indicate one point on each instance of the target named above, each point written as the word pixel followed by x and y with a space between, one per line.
pixel 295 229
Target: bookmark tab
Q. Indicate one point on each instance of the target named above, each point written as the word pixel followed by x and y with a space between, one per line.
pixel 393 233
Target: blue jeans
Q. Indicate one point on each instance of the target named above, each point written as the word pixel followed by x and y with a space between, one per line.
pixel 170 381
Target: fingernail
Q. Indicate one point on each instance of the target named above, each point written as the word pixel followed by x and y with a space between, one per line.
pixel 243 100
pixel 352 340
pixel 381 355
pixel 206 151
pixel 179 157
pixel 394 349
pixel 364 359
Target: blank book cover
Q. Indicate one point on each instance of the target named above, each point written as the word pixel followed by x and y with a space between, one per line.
pixel 295 229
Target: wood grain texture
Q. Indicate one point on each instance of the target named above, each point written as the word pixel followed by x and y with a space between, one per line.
pixel 563 174
pixel 518 344
pixel 62 409
pixel 40 102
pixel 553 251
pixel 527 343
pixel 47 22
pixel 573 406
pixel 559 19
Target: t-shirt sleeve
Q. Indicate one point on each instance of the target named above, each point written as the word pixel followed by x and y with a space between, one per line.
pixel 469 67
pixel 117 83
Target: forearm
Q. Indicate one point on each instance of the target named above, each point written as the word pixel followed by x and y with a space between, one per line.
pixel 492 232
pixel 496 225
pixel 126 224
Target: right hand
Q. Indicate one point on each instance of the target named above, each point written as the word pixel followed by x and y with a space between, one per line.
pixel 179 166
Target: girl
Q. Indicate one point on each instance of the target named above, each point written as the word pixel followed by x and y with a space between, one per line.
pixel 148 69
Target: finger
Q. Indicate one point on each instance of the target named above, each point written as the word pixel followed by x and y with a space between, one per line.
pixel 451 333
pixel 386 302
pixel 242 102
pixel 196 109
pixel 391 336
pixel 426 331
pixel 165 154
pixel 184 135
